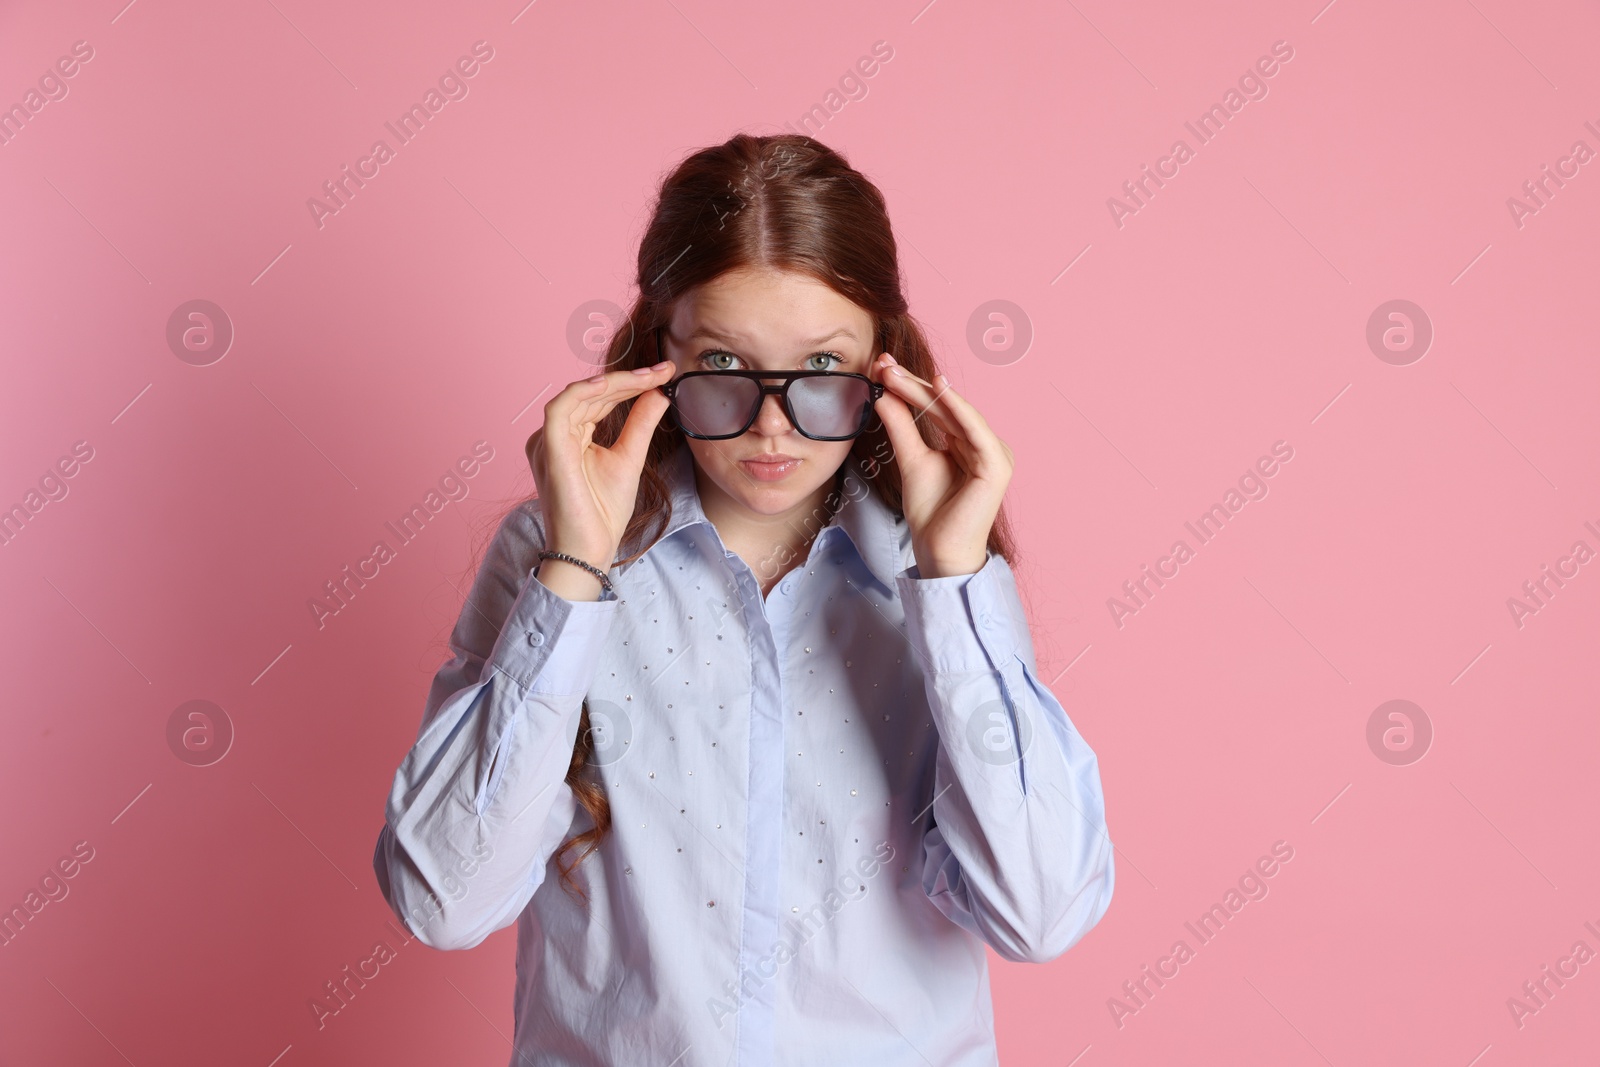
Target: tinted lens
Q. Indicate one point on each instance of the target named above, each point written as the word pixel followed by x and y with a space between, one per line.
pixel 828 405
pixel 715 404
pixel 719 404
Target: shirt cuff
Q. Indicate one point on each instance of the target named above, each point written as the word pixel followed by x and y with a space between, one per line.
pixel 550 644
pixel 963 622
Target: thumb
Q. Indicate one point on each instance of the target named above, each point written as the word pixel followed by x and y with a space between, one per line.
pixel 535 440
pixel 643 418
pixel 901 426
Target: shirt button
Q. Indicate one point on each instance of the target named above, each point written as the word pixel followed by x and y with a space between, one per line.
pixel 787 586
pixel 535 639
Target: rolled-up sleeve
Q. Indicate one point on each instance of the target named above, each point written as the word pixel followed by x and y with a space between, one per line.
pixel 1018 853
pixel 480 802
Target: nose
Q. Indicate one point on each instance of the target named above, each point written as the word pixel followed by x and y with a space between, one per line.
pixel 771 420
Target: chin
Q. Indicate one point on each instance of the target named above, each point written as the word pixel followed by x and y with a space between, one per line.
pixel 773 498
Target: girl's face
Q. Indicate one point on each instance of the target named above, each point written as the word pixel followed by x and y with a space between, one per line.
pixel 768 320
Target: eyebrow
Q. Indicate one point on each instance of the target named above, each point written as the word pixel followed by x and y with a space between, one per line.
pixel 714 334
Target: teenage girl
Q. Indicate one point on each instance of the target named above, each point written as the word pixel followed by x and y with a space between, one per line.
pixel 743 727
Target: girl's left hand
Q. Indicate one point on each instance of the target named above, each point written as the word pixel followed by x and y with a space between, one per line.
pixel 951 494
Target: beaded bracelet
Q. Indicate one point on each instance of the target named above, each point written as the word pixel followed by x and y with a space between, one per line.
pixel 605 583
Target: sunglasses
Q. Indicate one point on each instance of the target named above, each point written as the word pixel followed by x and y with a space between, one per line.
pixel 824 405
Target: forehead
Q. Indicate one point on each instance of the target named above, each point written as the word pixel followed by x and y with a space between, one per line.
pixel 771 311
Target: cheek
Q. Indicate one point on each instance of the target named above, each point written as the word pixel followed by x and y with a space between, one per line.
pixel 823 461
pixel 831 455
pixel 707 455
pixel 714 463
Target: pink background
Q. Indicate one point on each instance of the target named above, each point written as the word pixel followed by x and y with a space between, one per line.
pixel 1229 313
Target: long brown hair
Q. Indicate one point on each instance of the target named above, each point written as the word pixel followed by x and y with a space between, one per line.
pixel 783 202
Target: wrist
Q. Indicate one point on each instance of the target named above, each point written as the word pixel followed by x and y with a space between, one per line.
pixel 930 567
pixel 566 581
pixel 573 578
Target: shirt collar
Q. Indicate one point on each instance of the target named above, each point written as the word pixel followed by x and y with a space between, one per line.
pixel 877 532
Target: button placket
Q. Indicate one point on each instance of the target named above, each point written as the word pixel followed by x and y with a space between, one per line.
pixel 765 818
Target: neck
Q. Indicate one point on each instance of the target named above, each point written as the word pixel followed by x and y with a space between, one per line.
pixel 768 540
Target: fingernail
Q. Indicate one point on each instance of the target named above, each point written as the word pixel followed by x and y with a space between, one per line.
pixel 644 370
pixel 888 358
pixel 598 378
pixel 897 370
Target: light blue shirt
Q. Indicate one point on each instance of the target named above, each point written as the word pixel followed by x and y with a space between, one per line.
pixel 820 815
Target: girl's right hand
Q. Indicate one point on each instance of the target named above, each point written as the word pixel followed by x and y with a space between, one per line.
pixel 586 491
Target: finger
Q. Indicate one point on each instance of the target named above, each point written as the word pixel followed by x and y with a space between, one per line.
pixel 965 415
pixel 919 394
pixel 640 426
pixel 985 443
pixel 536 458
pixel 901 426
pixel 612 387
pixel 917 404
pixel 882 371
pixel 965 434
pixel 951 411
pixel 591 399
pixel 615 387
pixel 920 381
pixel 621 383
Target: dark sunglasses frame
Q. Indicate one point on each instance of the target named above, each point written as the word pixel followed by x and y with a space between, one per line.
pixel 875 390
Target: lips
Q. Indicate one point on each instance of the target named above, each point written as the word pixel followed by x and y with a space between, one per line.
pixel 770 466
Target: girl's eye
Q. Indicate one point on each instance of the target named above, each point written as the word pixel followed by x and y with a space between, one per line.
pixel 710 360
pixel 837 359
